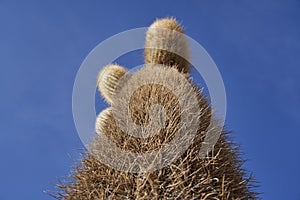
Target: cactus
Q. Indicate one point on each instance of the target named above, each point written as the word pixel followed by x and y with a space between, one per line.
pixel 167 34
pixel 219 175
pixel 108 80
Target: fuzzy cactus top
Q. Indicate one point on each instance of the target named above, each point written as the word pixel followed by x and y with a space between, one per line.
pixel 219 175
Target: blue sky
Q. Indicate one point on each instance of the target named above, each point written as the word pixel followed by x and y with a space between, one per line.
pixel 255 44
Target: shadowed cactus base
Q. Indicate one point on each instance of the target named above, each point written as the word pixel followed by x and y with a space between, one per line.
pixel 219 175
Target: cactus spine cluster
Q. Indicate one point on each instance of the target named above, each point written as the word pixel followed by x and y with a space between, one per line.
pixel 217 176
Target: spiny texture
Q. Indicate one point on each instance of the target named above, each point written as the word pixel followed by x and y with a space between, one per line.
pixel 166 44
pixel 108 80
pixel 135 101
pixel 217 176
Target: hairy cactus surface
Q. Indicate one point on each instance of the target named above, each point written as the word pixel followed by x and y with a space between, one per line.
pixel 154 111
pixel 108 80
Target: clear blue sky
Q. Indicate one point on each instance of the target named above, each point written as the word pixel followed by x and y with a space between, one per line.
pixel 255 44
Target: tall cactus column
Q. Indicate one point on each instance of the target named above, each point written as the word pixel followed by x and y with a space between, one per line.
pixel 219 175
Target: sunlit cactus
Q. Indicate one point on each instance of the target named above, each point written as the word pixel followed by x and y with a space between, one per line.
pixel 108 79
pixel 101 120
pixel 166 44
pixel 219 175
